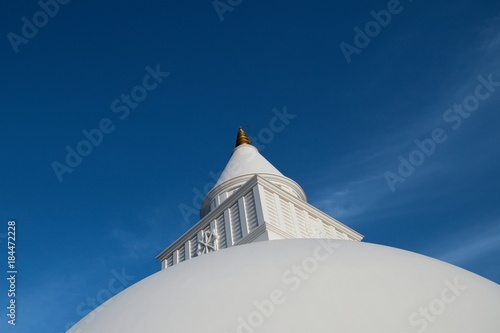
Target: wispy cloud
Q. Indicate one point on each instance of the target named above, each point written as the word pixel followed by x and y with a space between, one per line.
pixel 355 185
pixel 489 40
pixel 468 245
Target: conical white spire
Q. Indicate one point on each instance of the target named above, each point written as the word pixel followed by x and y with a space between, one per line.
pixel 246 160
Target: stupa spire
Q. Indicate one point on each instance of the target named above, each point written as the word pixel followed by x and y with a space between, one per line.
pixel 242 138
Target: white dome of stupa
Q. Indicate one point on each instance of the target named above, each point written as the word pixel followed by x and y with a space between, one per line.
pixel 304 286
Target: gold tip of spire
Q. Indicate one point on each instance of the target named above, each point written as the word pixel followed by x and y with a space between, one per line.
pixel 242 138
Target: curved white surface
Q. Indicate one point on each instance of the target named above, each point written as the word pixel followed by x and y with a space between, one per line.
pixel 304 286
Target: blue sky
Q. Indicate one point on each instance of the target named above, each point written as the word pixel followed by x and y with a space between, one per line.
pixel 354 116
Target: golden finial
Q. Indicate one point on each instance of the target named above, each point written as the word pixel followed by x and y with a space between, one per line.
pixel 242 138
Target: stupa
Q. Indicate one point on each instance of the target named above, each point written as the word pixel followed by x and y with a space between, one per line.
pixel 262 259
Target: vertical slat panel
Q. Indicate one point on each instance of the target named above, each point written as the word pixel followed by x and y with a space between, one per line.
pixel 272 211
pixel 243 217
pixel 221 231
pixel 186 251
pixel 286 214
pixel 193 246
pixel 235 223
pixel 295 223
pixel 170 260
pixel 301 221
pixel 181 254
pixel 250 211
pixel 227 227
pixel 175 257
